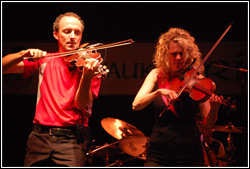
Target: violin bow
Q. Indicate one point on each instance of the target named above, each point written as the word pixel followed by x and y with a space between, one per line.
pixel 82 49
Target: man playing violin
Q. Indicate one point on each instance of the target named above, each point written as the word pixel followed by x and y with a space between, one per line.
pixel 175 138
pixel 64 98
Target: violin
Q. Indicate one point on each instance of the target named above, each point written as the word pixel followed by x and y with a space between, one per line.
pixel 77 61
pixel 76 58
pixel 199 89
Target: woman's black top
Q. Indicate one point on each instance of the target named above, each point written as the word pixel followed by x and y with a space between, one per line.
pixel 175 141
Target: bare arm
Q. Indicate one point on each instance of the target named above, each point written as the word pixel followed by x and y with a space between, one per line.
pixel 13 63
pixel 84 95
pixel 209 110
pixel 146 94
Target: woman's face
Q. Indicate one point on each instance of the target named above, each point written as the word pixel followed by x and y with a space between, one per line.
pixel 176 57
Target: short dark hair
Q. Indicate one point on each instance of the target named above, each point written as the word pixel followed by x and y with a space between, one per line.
pixel 56 23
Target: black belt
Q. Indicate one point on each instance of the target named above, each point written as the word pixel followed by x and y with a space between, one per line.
pixel 52 130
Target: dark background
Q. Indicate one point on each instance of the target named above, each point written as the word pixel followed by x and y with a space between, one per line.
pixel 143 22
pixel 110 22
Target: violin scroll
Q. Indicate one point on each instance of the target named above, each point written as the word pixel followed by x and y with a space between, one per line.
pixel 103 71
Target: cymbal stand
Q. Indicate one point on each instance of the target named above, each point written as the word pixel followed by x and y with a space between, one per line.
pixel 230 147
pixel 120 162
pixel 125 132
pixel 106 145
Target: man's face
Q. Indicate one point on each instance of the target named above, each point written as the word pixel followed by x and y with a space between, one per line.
pixel 69 35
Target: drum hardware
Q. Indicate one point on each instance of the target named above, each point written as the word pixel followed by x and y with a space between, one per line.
pixel 135 146
pixel 117 162
pixel 106 145
pixel 210 156
pixel 230 147
pixel 121 162
pixel 229 128
pixel 131 140
pixel 104 151
pixel 119 129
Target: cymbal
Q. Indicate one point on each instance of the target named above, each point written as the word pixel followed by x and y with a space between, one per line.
pixel 229 128
pixel 135 146
pixel 119 129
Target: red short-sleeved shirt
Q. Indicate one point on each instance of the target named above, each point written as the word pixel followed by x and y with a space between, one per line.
pixel 57 87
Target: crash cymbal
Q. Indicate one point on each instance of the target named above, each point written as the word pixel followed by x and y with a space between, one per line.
pixel 135 146
pixel 119 129
pixel 229 128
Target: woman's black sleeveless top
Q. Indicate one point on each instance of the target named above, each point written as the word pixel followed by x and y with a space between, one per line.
pixel 175 141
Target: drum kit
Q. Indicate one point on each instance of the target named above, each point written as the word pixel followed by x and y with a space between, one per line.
pixel 130 140
pixel 133 142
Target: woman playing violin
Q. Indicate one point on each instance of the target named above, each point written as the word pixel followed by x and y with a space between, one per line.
pixel 64 98
pixel 175 138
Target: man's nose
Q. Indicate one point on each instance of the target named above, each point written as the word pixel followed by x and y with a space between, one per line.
pixel 72 34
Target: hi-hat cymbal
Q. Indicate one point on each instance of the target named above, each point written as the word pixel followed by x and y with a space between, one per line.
pixel 119 129
pixel 135 146
pixel 229 128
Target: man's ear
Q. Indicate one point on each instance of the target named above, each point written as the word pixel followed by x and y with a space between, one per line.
pixel 55 34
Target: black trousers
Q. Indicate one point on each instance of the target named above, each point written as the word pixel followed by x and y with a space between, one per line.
pixel 55 147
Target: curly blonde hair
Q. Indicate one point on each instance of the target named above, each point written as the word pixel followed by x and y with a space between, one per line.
pixel 186 41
